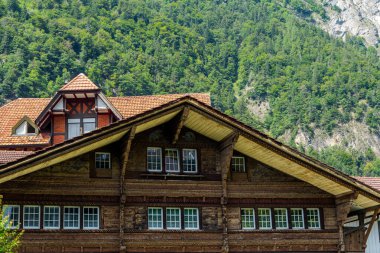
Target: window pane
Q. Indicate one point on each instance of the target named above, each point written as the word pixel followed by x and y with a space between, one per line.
pixel 173 218
pixel 51 217
pixel 154 159
pixel 155 218
pixel 31 217
pixel 88 124
pixel 171 160
pixel 102 160
pixel 297 218
pixel 238 164
pixel 90 217
pixel 12 214
pixel 265 219
pixel 247 218
pixel 281 218
pixel 191 218
pixel 73 126
pixel 71 217
pixel 189 160
pixel 313 218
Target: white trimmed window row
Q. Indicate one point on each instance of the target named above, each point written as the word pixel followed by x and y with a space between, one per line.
pixel 51 217
pixel 175 218
pixel 281 218
pixel 168 160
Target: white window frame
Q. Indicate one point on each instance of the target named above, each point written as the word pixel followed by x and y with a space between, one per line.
pixel 178 158
pixel 302 218
pixel 76 122
pixel 270 218
pixel 184 217
pixel 86 121
pixel 105 162
pixel 250 216
pixel 79 217
pixel 9 217
pixel 318 216
pixel 39 217
pixel 147 159
pixel 84 214
pixel 161 222
pixel 179 216
pixel 183 160
pixel 277 216
pixel 233 163
pixel 59 218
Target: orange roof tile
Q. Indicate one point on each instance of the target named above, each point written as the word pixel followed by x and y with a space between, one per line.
pixel 80 82
pixel 11 113
pixel 374 182
pixel 130 106
pixel 7 156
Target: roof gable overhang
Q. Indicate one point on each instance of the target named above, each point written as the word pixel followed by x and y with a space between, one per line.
pixel 216 126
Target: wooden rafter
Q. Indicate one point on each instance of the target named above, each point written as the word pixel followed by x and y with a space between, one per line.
pixel 180 123
pixel 368 231
pixel 126 148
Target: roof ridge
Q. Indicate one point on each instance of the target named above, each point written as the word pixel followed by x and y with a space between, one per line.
pixel 75 82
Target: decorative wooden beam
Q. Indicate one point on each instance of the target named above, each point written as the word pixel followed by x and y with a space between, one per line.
pixel 343 207
pixel 368 231
pixel 226 147
pixel 180 123
pixel 126 148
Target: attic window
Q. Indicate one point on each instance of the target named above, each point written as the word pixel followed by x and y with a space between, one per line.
pixel 25 129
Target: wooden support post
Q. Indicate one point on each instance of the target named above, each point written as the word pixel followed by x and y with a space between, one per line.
pixel 126 148
pixel 370 225
pixel 180 123
pixel 343 207
pixel 226 147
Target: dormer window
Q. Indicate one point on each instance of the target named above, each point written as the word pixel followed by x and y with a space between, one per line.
pixel 25 127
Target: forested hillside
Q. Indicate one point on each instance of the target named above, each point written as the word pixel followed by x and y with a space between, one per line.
pixel 262 61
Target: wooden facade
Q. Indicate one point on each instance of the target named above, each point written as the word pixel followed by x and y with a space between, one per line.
pixel 181 177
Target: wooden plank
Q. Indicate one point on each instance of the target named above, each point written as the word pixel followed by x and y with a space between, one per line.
pixel 180 123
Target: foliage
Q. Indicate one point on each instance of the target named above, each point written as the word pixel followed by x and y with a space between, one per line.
pixel 239 50
pixel 9 238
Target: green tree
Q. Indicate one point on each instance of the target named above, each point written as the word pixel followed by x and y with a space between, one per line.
pixel 9 238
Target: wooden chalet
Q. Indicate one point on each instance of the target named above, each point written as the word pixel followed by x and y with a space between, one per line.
pixel 83 172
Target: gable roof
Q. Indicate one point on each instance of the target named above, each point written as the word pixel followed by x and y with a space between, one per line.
pixel 79 83
pixel 374 182
pixel 217 126
pixel 11 113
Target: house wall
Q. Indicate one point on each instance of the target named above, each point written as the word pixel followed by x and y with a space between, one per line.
pixel 72 183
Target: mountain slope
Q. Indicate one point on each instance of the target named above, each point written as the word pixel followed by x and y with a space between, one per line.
pixel 260 60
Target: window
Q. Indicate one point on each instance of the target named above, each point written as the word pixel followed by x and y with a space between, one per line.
pixel 71 217
pixel 189 160
pixel 12 212
pixel 238 164
pixel 51 217
pixel 313 218
pixel 265 219
pixel 25 129
pixel 191 218
pixel 247 218
pixel 173 218
pixel 281 218
pixel 88 125
pixel 155 218
pixel 73 127
pixel 296 215
pixel 171 160
pixel 102 160
pixel 90 217
pixel 31 217
pixel 154 162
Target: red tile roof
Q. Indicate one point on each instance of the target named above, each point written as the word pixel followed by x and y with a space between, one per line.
pixel 80 82
pixel 130 106
pixel 374 182
pixel 7 156
pixel 10 115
